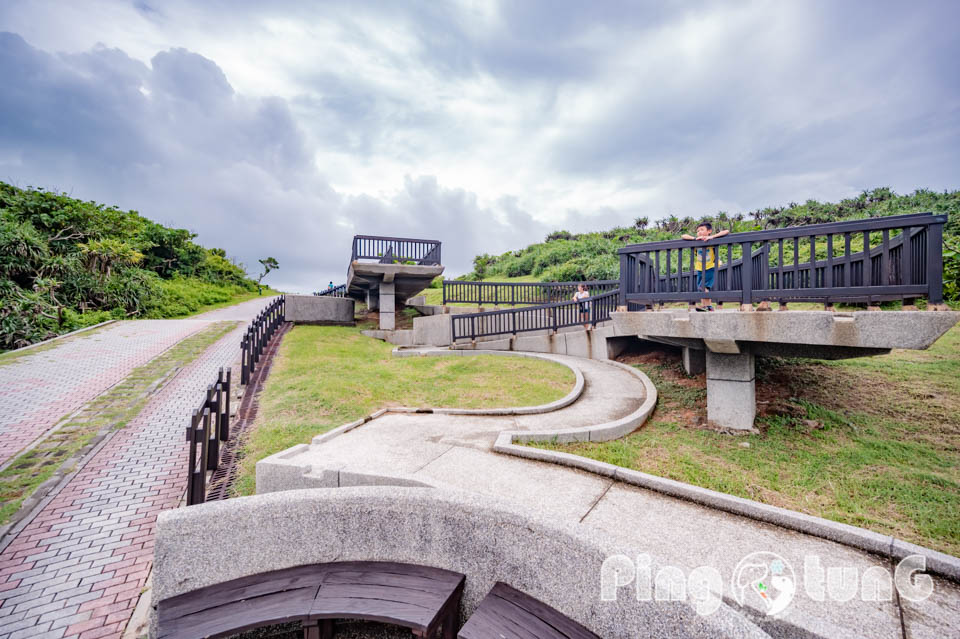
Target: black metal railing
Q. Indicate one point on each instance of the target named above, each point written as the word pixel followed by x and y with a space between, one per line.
pixel 257 337
pixel 869 260
pixel 514 293
pixel 555 316
pixel 336 291
pixel 388 250
pixel 209 426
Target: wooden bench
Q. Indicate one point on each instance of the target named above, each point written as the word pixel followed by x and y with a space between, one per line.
pixel 507 613
pixel 420 598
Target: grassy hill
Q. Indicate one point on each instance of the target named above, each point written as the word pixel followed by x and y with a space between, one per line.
pixel 565 256
pixel 66 264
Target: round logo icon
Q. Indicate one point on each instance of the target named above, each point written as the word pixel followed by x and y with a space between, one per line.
pixel 764 580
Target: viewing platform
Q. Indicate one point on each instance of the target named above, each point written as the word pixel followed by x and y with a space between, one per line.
pixel 861 261
pixel 386 270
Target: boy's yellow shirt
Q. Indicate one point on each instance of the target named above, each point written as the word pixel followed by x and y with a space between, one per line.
pixel 698 259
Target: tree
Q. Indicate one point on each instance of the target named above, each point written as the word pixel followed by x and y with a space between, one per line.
pixel 641 222
pixel 269 264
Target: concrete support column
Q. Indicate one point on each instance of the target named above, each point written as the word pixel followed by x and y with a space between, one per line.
pixel 731 390
pixel 694 361
pixel 388 317
pixel 373 299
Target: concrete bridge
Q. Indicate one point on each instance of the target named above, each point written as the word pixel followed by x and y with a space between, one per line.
pixel 385 271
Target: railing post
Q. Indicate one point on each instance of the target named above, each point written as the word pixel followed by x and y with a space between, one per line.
pixel 935 264
pixel 746 276
pixel 225 419
pixel 210 427
pixel 192 480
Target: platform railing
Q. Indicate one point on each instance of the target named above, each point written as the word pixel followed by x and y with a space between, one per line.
pixel 387 250
pixel 870 260
pixel 514 293
pixel 553 317
pixel 336 291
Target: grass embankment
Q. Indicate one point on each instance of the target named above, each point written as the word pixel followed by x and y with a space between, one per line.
pixel 872 442
pixel 200 298
pixel 112 410
pixel 325 376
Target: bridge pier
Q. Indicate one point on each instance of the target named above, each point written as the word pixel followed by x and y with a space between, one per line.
pixel 694 361
pixel 731 389
pixel 388 306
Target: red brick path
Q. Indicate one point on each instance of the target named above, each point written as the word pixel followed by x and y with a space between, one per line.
pixel 77 569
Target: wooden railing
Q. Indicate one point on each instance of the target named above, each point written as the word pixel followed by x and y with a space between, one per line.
pixel 257 337
pixel 535 318
pixel 514 293
pixel 869 260
pixel 209 426
pixel 388 250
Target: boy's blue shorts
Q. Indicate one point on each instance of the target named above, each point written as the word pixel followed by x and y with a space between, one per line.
pixel 705 278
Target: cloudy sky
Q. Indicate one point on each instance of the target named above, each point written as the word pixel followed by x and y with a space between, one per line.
pixel 284 128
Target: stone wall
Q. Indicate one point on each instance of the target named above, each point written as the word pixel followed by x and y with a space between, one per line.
pixel 486 540
pixel 323 310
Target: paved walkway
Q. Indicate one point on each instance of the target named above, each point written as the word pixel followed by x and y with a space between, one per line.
pixel 455 451
pixel 77 569
pixel 38 389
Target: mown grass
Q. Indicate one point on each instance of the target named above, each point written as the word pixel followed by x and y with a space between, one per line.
pixel 873 442
pixel 325 376
pixel 111 410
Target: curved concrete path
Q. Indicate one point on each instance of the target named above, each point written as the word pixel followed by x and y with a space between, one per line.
pixel 457 451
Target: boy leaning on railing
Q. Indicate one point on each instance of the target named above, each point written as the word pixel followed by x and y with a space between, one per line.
pixel 705 272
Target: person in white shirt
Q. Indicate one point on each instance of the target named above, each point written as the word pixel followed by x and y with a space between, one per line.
pixel 579 296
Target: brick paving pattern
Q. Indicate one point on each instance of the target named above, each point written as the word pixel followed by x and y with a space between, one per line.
pixel 77 569
pixel 38 390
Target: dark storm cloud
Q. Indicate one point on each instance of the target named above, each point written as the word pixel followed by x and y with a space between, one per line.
pixel 174 141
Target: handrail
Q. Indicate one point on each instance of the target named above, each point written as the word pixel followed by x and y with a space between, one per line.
pixel 552 316
pixel 209 426
pixel 514 293
pixel 888 269
pixel 210 423
pixel 336 291
pixel 258 334
pixel 400 249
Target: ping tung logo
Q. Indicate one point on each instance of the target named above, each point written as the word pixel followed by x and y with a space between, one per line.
pixel 764 578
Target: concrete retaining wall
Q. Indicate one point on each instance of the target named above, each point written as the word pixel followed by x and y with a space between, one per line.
pixel 486 540
pixel 313 309
pixel 602 343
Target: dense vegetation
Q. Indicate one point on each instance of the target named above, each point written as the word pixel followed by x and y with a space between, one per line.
pixel 566 256
pixel 65 264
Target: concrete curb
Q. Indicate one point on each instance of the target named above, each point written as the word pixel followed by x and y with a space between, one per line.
pixel 570 397
pixel 59 337
pixel 886 546
pixel 598 433
pixel 563 402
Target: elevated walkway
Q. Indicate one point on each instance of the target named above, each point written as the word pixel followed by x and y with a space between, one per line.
pixel 385 271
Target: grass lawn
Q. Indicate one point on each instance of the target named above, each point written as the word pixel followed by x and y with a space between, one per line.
pixel 873 442
pixel 326 376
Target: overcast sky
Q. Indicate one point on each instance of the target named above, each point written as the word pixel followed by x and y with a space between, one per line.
pixel 284 128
